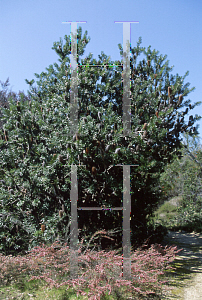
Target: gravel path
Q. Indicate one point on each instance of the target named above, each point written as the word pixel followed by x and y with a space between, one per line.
pixel 189 265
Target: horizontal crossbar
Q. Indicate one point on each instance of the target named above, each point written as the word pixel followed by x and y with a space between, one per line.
pixel 100 208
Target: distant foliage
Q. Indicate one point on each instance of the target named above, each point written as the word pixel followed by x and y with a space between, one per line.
pixel 184 177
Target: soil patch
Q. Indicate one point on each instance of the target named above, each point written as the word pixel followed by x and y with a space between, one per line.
pixel 188 262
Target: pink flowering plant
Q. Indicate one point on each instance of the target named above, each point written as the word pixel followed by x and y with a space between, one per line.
pixel 101 271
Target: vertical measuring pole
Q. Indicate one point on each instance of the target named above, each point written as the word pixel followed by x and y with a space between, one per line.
pixel 126 222
pixel 74 79
pixel 74 224
pixel 126 132
pixel 126 78
pixel 73 130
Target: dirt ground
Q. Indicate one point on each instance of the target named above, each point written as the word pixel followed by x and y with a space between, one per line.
pixel 188 264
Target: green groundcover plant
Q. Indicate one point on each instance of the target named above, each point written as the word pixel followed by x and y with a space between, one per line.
pixel 37 151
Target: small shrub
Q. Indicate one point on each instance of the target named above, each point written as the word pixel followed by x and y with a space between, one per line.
pixel 50 264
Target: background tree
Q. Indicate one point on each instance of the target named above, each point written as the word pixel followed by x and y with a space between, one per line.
pixel 172 180
pixel 38 152
pixel 183 178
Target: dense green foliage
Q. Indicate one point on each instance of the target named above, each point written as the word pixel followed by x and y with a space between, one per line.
pixel 37 152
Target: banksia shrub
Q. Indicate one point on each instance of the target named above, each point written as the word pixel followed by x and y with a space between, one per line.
pixel 117 150
pixel 169 91
pixel 42 227
pixel 107 148
pixel 171 100
pixel 144 134
pixel 145 126
pixel 94 171
pixel 49 183
pixel 60 158
pixel 180 99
